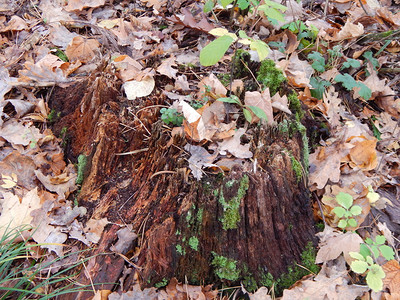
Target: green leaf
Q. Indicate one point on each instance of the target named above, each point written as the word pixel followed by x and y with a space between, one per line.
pixel 275 5
pixel 364 92
pixel 243 4
pixel 368 55
pixel 318 85
pixel 271 12
pixel 243 35
pixel 261 48
pixel 344 199
pixel 369 241
pixel 357 256
pixel 225 3
pixel 347 81
pixel 375 250
pixel 374 278
pixel 258 112
pixel 387 252
pixel 342 224
pixel 356 210
pixel 369 260
pixel 359 266
pixel 351 62
pixel 352 222
pixel 208 6
pixel 318 61
pixel 380 240
pixel 364 250
pixel 215 50
pixel 229 100
pixel 247 115
pixel 339 211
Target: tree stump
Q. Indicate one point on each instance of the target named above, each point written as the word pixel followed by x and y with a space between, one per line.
pixel 227 228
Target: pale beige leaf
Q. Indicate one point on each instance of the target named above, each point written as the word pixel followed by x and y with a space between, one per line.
pixel 134 89
pixel 349 30
pixel 234 147
pixel 19 134
pixel 15 212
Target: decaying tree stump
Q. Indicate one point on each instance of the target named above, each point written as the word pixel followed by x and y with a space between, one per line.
pixel 233 227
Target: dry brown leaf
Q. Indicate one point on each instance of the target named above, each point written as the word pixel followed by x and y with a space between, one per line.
pixel 156 4
pixel 297 71
pixel 281 103
pixel 5 82
pixel 215 86
pixel 334 243
pixel 325 164
pixel 234 147
pixel 15 212
pixel 392 278
pixel 166 67
pixel 199 158
pixel 363 155
pixel 262 101
pixel 82 49
pixel 94 229
pixel 64 188
pixel 15 24
pixel 127 67
pixel 20 134
pixel 78 5
pixel 331 103
pixel 349 31
pixel 125 238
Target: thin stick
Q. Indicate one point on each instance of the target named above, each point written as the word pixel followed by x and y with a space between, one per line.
pixel 133 152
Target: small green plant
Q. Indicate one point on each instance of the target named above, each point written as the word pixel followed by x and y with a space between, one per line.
pixel 318 61
pixel 305 34
pixel 348 82
pixel 59 53
pixel 318 85
pixel 375 273
pixel 376 248
pixel 171 116
pixel 246 108
pixel 346 211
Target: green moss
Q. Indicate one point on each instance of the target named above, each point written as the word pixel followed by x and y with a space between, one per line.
pixel 225 268
pixel 194 243
pixel 295 272
pixel 269 76
pixel 291 127
pixel 225 78
pixel 64 137
pixel 162 283
pixel 200 215
pixel 180 250
pixel 82 161
pixel 295 106
pixel 297 168
pixel 231 215
pixel 267 280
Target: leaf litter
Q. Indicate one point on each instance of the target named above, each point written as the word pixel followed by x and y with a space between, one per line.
pixel 361 153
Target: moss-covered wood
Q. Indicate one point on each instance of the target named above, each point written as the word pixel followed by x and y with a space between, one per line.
pixel 246 225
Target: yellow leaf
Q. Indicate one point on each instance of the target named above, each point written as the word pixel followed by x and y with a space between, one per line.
pixel 9 181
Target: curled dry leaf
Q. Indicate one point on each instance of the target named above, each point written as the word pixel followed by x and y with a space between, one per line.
pixel 15 24
pixel 262 101
pixel 166 67
pixel 363 155
pixel 234 146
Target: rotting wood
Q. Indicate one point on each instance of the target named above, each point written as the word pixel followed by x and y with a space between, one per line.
pixel 181 221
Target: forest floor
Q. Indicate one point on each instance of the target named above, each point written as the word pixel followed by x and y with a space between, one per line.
pixel 336 68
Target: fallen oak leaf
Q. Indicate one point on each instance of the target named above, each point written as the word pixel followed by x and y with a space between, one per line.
pixel 81 49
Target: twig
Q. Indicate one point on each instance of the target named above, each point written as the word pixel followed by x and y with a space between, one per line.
pixel 134 151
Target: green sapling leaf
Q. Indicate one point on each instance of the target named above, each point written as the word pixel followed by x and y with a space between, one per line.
pixel 374 278
pixel 271 12
pixel 364 250
pixel 339 211
pixel 357 256
pixel 344 199
pixel 215 50
pixel 369 260
pixel 230 100
pixel 258 112
pixel 261 48
pixel 243 4
pixel 225 3
pixel 380 240
pixel 247 115
pixel 356 210
pixel 275 5
pixel 364 92
pixel 342 224
pixel 352 222
pixel 347 81
pixel 387 252
pixel 359 266
pixel 208 6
